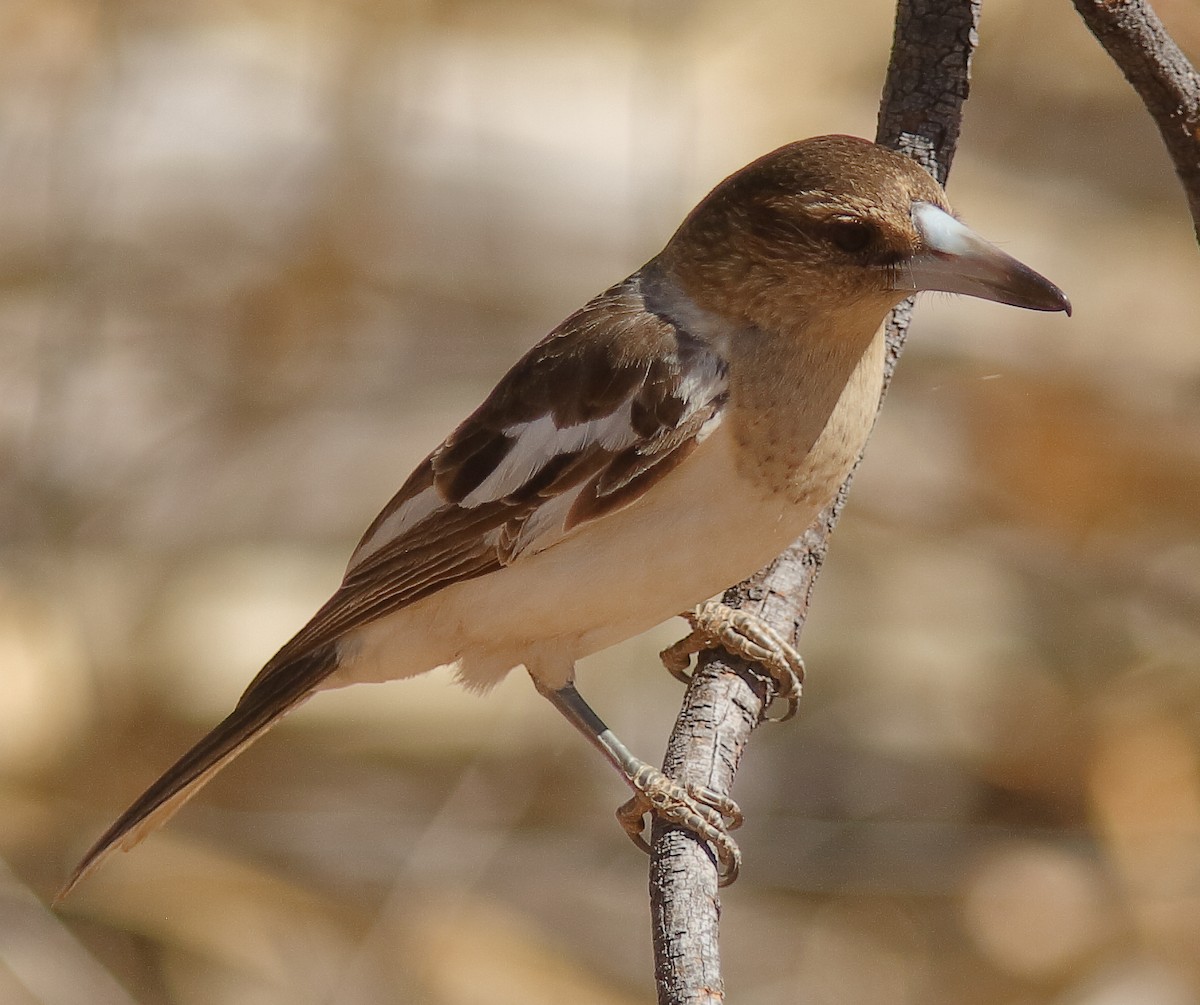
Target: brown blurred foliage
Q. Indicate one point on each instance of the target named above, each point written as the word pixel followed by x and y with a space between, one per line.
pixel 257 257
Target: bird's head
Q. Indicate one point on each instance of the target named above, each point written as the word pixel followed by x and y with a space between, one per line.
pixel 837 223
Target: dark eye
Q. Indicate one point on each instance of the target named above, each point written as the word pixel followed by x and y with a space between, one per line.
pixel 850 235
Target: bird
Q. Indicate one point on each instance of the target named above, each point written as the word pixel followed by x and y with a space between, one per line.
pixel 666 440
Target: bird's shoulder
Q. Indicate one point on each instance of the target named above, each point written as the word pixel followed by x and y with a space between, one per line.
pixel 583 425
pixel 610 392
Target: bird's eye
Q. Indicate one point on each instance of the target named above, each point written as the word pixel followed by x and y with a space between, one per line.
pixel 850 235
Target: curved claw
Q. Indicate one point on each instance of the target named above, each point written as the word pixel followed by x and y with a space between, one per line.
pixel 695 808
pixel 742 634
pixel 677 658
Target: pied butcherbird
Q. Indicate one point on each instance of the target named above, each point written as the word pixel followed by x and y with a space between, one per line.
pixel 666 440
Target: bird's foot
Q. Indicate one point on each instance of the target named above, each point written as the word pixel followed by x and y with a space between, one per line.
pixel 743 634
pixel 697 808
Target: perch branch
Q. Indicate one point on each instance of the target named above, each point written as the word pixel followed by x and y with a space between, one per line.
pixel 1164 79
pixel 920 114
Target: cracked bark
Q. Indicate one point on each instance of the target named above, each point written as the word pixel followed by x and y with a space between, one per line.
pixel 920 114
pixel 1164 79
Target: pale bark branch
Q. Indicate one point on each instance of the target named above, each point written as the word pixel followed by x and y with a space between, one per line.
pixel 1164 79
pixel 920 114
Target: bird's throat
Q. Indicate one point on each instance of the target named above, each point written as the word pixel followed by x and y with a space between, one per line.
pixel 804 403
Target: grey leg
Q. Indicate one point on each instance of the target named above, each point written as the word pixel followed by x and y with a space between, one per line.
pixel 696 808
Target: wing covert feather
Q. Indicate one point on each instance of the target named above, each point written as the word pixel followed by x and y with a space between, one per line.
pixel 630 395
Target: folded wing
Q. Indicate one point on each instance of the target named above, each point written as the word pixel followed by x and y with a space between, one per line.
pixel 588 421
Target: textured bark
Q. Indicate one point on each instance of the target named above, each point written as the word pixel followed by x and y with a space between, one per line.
pixel 920 114
pixel 1167 83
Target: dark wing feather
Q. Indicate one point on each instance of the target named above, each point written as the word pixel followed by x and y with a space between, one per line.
pixel 632 392
pixel 609 354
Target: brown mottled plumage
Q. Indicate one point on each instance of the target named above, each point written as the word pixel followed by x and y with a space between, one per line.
pixel 665 441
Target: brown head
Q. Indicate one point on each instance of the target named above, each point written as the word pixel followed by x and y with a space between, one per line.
pixel 836 223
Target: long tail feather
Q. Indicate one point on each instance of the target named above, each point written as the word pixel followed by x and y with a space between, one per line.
pixel 258 710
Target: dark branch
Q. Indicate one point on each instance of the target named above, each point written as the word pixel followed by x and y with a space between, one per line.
pixel 1167 83
pixel 926 85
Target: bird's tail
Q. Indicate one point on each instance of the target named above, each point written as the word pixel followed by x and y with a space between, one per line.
pixel 264 704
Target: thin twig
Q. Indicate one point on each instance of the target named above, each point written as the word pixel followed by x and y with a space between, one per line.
pixel 926 85
pixel 1164 79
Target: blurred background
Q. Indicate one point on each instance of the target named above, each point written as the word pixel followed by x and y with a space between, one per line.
pixel 257 257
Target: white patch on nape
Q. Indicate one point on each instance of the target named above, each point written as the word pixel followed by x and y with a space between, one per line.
pixel 540 441
pixel 410 513
pixel 669 298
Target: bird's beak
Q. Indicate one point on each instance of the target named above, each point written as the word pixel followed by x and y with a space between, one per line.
pixel 957 260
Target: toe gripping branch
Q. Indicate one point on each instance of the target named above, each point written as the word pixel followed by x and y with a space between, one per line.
pixel 696 808
pixel 718 626
pixel 699 809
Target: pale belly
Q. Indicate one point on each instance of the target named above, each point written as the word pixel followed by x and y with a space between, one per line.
pixel 703 528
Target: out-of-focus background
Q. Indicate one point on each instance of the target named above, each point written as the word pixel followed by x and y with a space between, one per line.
pixel 257 257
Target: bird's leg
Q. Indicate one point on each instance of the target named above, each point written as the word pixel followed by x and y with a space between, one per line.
pixel 743 634
pixel 697 808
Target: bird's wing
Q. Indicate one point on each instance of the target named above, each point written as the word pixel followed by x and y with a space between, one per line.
pixel 587 422
pixel 606 405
